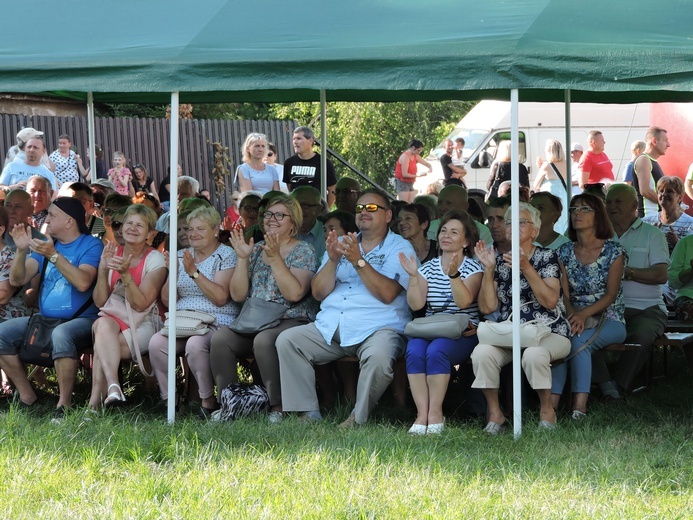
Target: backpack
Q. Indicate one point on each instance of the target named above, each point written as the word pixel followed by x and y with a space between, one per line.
pixel 241 400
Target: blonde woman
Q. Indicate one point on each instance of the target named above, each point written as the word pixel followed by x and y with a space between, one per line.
pixel 552 178
pixel 254 174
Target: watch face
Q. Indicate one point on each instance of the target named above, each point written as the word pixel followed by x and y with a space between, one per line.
pixel 361 263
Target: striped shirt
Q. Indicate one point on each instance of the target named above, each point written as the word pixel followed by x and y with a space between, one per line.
pixel 439 298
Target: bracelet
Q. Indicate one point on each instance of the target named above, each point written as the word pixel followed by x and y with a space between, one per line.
pixel 456 275
pixel 127 284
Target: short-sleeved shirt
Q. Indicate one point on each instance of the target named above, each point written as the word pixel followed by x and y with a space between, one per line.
pixel 439 298
pixel 262 181
pixel 545 262
pixel 646 247
pixel 18 171
pixel 164 194
pixel 300 172
pixel 190 296
pixel 680 260
pixel 263 284
pixel 15 307
pixel 353 309
pixel 588 283
pixel 598 165
pixel 316 238
pixel 58 298
pixel 682 227
pixel 66 168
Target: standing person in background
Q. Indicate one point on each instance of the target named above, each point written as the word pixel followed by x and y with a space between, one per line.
pixel 68 165
pixel 119 175
pixel 272 158
pixel 17 173
pixel 500 171
pixel 453 174
pixel 165 187
pixel 347 191
pixel 305 167
pixel 254 174
pixel 141 181
pixel 595 166
pixel 16 152
pixel 647 170
pixel 636 149
pixel 576 152
pixel 688 186
pixel 100 166
pixel 406 170
pixel 552 178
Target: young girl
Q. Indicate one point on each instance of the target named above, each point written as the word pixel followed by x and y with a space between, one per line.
pixel 120 175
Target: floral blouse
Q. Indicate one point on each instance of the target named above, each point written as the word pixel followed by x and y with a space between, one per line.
pixel 587 283
pixel 15 308
pixel 263 285
pixel 546 263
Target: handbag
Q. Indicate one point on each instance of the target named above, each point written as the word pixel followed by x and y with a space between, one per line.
pixel 241 400
pixel 189 323
pixel 257 315
pixel 441 325
pixel 37 347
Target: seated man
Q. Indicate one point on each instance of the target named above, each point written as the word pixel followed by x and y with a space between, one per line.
pixel 68 281
pixel 363 313
pixel 311 230
pixel 646 314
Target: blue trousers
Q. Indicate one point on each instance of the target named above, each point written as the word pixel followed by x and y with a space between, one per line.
pixel 437 356
pixel 581 365
pixel 68 338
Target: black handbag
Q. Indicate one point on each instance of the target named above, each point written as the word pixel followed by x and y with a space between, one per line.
pixel 37 348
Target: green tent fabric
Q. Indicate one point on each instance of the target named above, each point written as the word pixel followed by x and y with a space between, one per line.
pixel 224 50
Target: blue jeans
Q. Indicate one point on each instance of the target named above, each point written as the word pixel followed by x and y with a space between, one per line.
pixel 581 365
pixel 437 356
pixel 68 338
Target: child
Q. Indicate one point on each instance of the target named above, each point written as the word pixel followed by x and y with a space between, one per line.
pixel 119 175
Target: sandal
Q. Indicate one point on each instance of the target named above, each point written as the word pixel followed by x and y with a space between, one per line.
pixel 115 398
pixel 493 428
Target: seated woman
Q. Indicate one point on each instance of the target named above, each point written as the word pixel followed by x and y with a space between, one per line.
pixel 112 203
pixel 340 222
pixel 593 295
pixel 204 272
pixel 134 272
pixel 11 302
pixel 674 222
pixel 540 298
pixel 447 284
pixel 550 208
pixel 412 223
pixel 156 239
pixel 278 269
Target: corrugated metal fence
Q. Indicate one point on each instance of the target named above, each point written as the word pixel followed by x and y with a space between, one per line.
pixel 146 141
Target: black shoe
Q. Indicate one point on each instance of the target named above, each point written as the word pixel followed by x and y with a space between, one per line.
pixel 205 414
pixel 59 414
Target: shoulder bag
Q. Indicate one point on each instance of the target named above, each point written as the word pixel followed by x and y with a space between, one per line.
pixel 441 325
pixel 500 334
pixel 189 323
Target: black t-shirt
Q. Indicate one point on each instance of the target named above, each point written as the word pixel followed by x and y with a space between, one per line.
pixel 164 194
pixel 445 162
pixel 298 172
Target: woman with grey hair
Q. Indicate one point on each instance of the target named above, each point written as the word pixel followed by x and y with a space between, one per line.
pixel 540 299
pixel 254 173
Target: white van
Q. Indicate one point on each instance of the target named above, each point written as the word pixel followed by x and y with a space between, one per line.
pixel 488 123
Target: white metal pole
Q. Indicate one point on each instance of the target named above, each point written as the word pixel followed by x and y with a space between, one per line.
pixel 515 251
pixel 568 160
pixel 323 144
pixel 91 136
pixel 173 262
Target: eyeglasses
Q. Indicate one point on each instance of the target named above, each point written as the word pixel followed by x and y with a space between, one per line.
pixel 344 191
pixel 522 222
pixel 580 209
pixel 115 225
pixel 370 208
pixel 267 215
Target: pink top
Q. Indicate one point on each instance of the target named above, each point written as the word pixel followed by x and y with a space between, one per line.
pixel 118 178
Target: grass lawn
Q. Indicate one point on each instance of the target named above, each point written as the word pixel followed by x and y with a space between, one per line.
pixel 633 460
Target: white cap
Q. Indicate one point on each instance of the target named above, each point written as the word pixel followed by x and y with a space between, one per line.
pixel 576 147
pixel 28 133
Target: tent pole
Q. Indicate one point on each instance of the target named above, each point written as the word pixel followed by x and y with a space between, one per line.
pixel 515 240
pixel 92 137
pixel 173 260
pixel 568 161
pixel 323 145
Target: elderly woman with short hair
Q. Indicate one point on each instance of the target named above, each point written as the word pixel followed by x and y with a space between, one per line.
pixel 277 269
pixel 540 298
pixel 134 272
pixel 672 220
pixel 204 271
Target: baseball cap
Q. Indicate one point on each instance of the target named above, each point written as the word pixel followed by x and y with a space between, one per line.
pixel 576 147
pixel 105 183
pixel 28 133
pixel 74 209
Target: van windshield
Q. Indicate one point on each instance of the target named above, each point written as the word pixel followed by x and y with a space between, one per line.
pixel 472 139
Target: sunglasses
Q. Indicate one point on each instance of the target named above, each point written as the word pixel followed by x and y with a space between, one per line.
pixel 370 208
pixel 116 225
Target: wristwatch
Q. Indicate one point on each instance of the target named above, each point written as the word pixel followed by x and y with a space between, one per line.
pixel 360 264
pixel 195 275
pixel 628 274
pixel 53 258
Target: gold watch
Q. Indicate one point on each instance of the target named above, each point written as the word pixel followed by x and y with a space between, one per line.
pixel 53 258
pixel 360 264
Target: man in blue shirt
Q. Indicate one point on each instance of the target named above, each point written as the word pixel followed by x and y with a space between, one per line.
pixel 363 312
pixel 73 257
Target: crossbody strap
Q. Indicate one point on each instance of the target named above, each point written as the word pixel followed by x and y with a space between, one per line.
pixel 135 343
pixel 587 343
pixel 555 170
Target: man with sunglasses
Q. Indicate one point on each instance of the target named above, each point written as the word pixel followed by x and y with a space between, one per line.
pixel 363 311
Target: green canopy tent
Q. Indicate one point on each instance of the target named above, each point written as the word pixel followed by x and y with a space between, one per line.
pixel 221 50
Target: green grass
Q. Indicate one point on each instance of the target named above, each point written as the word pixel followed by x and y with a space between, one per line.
pixel 629 461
